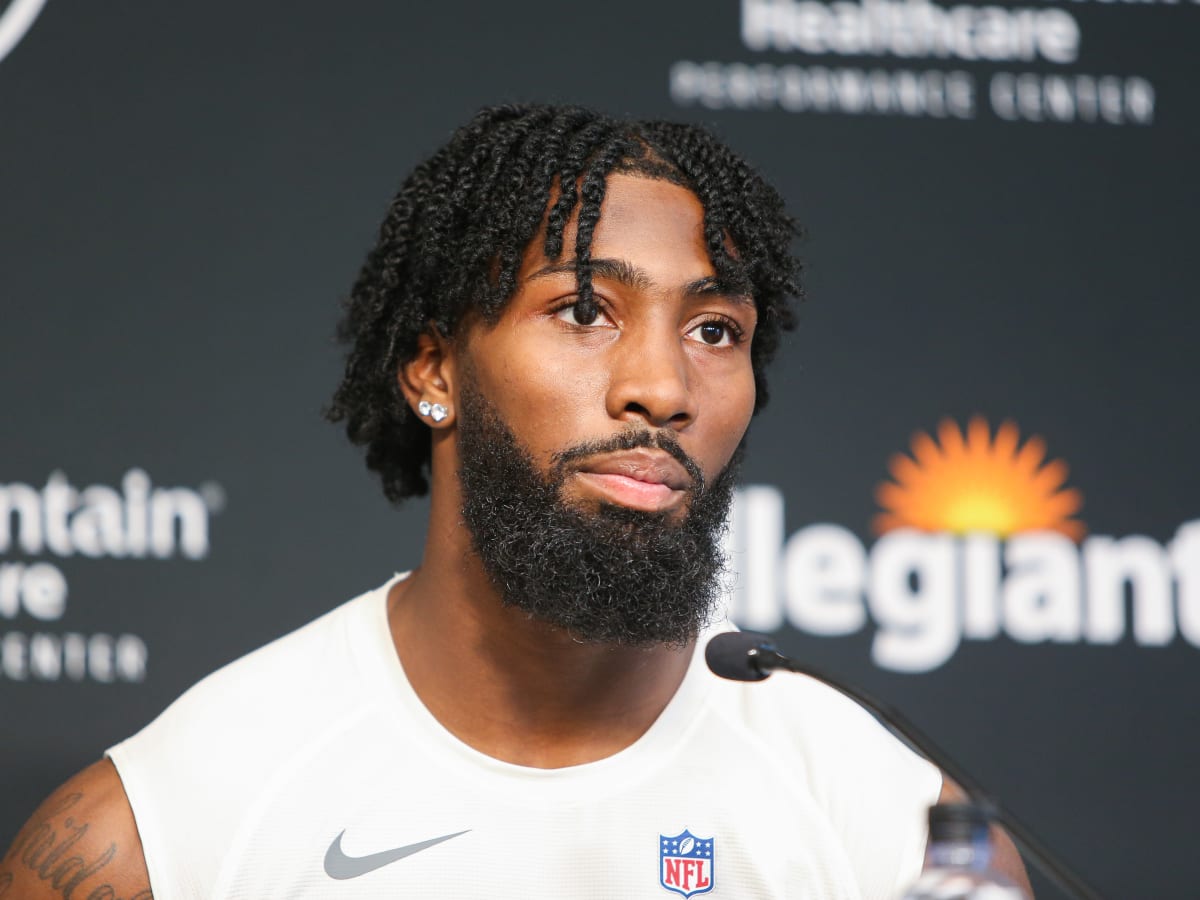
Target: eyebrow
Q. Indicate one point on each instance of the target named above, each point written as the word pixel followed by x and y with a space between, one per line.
pixel 627 274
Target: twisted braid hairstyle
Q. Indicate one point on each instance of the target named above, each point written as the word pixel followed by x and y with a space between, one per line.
pixel 454 236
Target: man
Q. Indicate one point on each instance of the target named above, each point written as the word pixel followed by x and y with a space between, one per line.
pixel 562 335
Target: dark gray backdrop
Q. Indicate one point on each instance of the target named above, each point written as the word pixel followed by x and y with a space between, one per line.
pixel 187 189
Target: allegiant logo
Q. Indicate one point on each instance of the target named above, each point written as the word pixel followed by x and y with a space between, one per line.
pixel 978 538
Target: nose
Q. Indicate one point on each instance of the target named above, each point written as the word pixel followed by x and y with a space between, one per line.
pixel 650 381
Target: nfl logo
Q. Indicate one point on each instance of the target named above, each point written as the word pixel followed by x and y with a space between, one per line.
pixel 685 863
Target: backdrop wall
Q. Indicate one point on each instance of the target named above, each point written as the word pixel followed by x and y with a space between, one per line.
pixel 1001 202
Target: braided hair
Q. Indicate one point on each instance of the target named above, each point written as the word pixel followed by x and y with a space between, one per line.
pixel 454 235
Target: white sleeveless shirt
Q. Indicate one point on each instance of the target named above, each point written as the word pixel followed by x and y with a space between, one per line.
pixel 310 768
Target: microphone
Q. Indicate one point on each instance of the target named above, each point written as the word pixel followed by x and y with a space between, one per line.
pixel 743 656
pixel 746 656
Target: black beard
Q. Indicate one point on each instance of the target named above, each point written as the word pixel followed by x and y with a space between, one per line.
pixel 615 575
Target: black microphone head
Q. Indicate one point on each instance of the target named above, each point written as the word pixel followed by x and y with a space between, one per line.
pixel 731 655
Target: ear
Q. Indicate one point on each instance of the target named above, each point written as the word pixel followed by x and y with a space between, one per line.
pixel 428 377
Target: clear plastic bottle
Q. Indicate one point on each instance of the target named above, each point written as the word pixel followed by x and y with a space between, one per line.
pixel 959 857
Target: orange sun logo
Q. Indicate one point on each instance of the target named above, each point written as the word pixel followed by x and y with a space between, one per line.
pixel 969 482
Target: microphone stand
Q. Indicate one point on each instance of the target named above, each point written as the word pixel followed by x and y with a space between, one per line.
pixel 764 658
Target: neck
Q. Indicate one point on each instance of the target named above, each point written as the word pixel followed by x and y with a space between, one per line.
pixel 512 687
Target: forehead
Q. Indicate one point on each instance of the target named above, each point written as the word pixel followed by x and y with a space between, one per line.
pixel 655 224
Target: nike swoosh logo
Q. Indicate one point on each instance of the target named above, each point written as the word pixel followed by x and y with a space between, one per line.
pixel 340 866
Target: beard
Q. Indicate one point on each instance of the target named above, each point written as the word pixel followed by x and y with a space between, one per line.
pixel 612 575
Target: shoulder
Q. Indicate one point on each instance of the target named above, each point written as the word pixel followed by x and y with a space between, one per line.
pixel 801 715
pixel 874 792
pixel 840 745
pixel 278 696
pixel 82 841
pixel 284 681
pixel 194 776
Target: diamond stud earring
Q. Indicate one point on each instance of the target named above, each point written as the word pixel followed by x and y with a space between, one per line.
pixel 435 411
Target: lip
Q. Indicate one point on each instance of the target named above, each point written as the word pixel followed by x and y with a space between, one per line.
pixel 645 479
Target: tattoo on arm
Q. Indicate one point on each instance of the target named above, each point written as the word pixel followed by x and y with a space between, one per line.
pixel 46 851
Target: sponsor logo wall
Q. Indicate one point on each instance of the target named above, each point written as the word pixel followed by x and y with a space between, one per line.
pixel 902 49
pixel 39 527
pixel 978 538
pixel 974 490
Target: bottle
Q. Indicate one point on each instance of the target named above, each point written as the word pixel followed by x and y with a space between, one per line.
pixel 958 859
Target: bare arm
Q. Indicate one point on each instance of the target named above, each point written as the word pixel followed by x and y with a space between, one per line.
pixel 80 844
pixel 1006 859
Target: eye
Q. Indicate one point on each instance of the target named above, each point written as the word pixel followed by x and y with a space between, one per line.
pixel 582 313
pixel 717 333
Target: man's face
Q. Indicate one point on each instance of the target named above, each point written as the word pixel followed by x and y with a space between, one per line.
pixel 597 439
pixel 662 353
